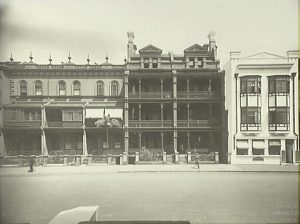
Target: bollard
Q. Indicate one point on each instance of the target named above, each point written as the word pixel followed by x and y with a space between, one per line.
pixel 125 158
pixel 121 159
pixel 90 157
pixel 164 157
pixel 45 160
pixel 189 157
pixel 217 158
pixel 77 160
pixel 137 157
pixel 176 157
pixel 1 161
pixel 21 160
pixel 65 157
pixel 109 159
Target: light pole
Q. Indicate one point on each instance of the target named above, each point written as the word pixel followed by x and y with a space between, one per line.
pixel 107 124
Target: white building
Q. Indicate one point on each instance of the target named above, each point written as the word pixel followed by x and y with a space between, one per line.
pixel 261 99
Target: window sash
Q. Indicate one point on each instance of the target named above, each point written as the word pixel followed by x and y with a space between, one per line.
pixel 100 89
pixel 250 85
pixel 250 115
pixel 279 115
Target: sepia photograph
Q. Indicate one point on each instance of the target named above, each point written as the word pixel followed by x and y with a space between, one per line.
pixel 149 111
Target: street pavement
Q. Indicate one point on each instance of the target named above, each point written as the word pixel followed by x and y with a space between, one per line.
pixel 153 192
pixel 60 169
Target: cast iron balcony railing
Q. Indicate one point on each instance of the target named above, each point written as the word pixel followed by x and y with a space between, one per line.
pixel 151 95
pixel 197 94
pixel 150 124
pixel 23 124
pixel 65 124
pixel 197 123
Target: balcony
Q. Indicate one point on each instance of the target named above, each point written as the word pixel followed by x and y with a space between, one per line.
pixel 22 124
pixel 197 94
pixel 150 95
pixel 65 124
pixel 150 124
pixel 197 123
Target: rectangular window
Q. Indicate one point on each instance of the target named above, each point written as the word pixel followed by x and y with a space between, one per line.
pixel 146 63
pixel 279 84
pixel 154 63
pixel 191 63
pixel 279 115
pixel 250 115
pixel 250 85
pixel 72 115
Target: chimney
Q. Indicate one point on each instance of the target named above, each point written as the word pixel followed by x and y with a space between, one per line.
pixel 212 43
pixel 131 48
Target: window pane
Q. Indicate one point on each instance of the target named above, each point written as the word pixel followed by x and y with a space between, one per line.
pixel 67 115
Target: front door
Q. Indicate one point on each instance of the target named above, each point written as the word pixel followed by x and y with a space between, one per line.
pixel 289 150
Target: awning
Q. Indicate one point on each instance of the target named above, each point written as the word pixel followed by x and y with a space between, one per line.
pixel 242 144
pixel 94 113
pixel 258 144
pixel 274 143
pixel 114 113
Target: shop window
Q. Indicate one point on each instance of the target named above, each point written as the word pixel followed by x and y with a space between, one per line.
pixel 154 63
pixel 61 88
pixel 100 88
pixel 279 84
pixel 250 85
pixel 258 152
pixel 274 147
pixel 38 88
pixel 23 88
pixel 241 151
pixel 114 88
pixel 146 63
pixel 76 88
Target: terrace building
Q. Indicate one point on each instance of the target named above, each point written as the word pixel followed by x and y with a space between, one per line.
pixel 159 104
pixel 261 99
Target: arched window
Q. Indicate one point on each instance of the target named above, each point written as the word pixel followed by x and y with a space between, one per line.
pixel 114 88
pixel 100 88
pixel 23 88
pixel 38 88
pixel 61 88
pixel 76 88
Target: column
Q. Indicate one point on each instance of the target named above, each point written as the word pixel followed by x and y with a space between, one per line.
pixel 140 114
pixel 2 145
pixel 126 114
pixel 266 151
pixel 196 62
pixel 188 141
pixel 43 116
pixel 44 149
pixel 140 141
pixel 175 114
pixel 126 84
pixel 150 63
pixel 84 144
pixel 126 146
pixel 162 141
pixel 188 87
pixel 174 84
pixel 140 88
pixel 250 148
pixel 162 88
pixel 209 111
pixel 175 140
pixel 188 114
pixel 162 114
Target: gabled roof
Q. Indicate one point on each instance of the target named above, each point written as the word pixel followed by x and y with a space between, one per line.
pixel 150 49
pixel 195 47
pixel 265 55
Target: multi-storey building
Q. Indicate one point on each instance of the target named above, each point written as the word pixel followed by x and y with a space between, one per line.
pixel 158 103
pixel 261 99
pixel 175 102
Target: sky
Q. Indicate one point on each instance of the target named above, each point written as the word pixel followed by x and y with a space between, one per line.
pixel 92 27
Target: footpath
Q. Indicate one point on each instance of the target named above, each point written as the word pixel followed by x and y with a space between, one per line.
pixel 84 169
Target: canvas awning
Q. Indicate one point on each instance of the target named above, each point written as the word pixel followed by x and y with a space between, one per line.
pixel 94 113
pixel 258 144
pixel 274 143
pixel 76 215
pixel 242 144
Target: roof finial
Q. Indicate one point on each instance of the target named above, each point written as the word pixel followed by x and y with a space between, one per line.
pixel 106 58
pixel 69 57
pixel 88 59
pixel 50 59
pixel 30 56
pixel 11 58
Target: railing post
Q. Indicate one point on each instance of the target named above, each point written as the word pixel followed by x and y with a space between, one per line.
pixel 217 157
pixel 45 160
pixel 65 157
pixel 137 157
pixel 21 160
pixel 176 157
pixel 121 159
pixel 189 157
pixel 164 157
